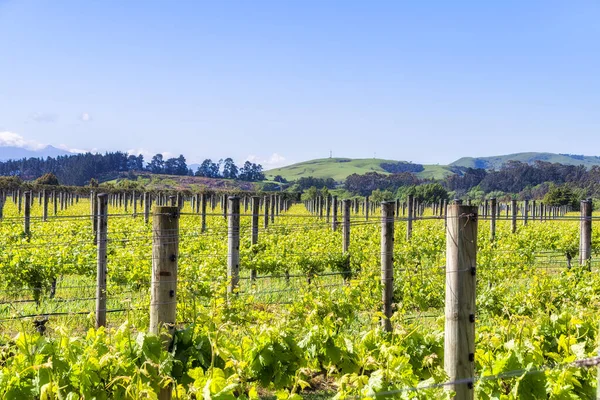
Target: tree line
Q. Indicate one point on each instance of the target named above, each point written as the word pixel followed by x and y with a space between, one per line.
pixel 80 169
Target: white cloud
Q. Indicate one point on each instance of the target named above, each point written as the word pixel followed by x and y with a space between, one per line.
pixel 85 117
pixel 44 117
pixel 275 160
pixel 15 140
pixel 75 150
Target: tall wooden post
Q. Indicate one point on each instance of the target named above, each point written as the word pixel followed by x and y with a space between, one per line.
pixel 45 210
pixel 55 200
pixel 101 259
pixel 233 244
pixel 346 225
pixel 525 212
pixel 387 262
pixel 409 221
pixel 272 208
pixel 147 205
pixel 328 208
pixel 459 333
pixel 585 234
pixel 266 210
pixel 203 198
pixel 514 211
pixel 255 216
pixel 165 254
pixel 367 208
pixel 334 220
pixel 27 222
pixel 493 220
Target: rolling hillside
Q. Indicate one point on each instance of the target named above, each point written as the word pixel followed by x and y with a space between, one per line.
pixel 340 168
pixel 496 162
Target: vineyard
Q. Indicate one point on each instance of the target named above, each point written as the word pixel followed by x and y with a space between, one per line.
pixel 304 316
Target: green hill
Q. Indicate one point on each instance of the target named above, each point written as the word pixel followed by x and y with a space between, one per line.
pixel 340 168
pixel 496 162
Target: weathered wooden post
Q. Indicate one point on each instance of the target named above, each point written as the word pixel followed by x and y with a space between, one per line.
pixel 225 205
pixel 165 254
pixel 334 220
pixel 525 212
pixel 27 222
pixel 45 210
pixel 493 220
pixel 387 262
pixel 55 200
pixel 367 208
pixel 459 333
pixel 346 225
pixel 147 204
pixel 272 208
pixel 19 201
pixel 203 197
pixel 514 211
pixel 585 233
pixel 101 259
pixel 255 215
pixel 328 208
pixel 409 221
pixel 266 211
pixel 233 244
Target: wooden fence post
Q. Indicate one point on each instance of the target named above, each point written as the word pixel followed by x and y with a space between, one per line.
pixel 461 264
pixel 525 212
pixel 387 262
pixel 334 220
pixel 409 223
pixel 233 244
pixel 273 208
pixel 163 292
pixel 165 253
pixel 346 225
pixel 585 233
pixel 147 204
pixel 203 198
pixel 255 215
pixel 27 222
pixel 367 208
pixel 328 208
pixel 45 210
pixel 493 220
pixel 514 211
pixel 266 210
pixel 102 221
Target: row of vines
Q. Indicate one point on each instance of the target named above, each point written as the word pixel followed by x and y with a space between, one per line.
pixel 308 327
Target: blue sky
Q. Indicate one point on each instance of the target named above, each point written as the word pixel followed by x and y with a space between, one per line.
pixel 285 81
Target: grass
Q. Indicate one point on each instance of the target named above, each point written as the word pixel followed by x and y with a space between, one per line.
pixel 340 168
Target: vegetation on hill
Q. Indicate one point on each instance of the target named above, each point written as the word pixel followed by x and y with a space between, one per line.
pixel 496 162
pixel 340 168
pixel 79 169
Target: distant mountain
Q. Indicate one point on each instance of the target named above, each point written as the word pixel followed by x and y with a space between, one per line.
pixel 495 162
pixel 17 153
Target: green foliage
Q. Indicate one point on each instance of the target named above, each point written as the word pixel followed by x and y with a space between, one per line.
pixel 429 193
pixel 285 337
pixel 47 179
pixel 561 196
pixel 381 195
